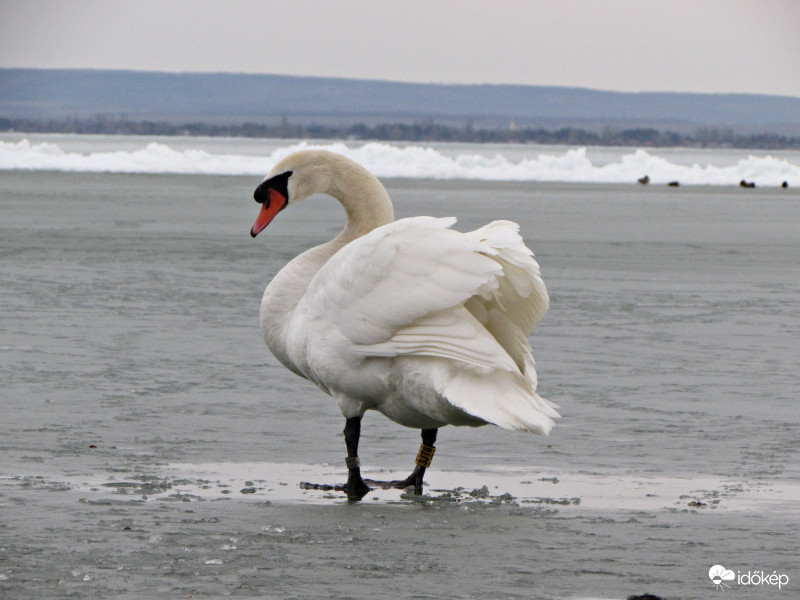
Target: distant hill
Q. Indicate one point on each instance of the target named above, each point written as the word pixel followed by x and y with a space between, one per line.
pixel 238 98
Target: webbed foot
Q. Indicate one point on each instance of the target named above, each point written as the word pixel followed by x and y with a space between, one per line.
pixel 415 480
pixel 355 489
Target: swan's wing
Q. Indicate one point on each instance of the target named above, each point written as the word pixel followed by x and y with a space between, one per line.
pixel 511 309
pixel 521 291
pixel 394 275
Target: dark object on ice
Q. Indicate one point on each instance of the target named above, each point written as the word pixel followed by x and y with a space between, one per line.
pixel 645 597
pixel 785 184
pixel 644 180
pixel 673 184
pixel 747 184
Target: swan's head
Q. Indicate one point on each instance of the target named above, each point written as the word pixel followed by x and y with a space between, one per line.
pixel 293 179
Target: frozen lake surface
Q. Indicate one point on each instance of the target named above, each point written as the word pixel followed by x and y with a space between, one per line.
pixel 152 448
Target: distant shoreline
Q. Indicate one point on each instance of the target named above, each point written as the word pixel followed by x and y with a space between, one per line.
pixel 427 131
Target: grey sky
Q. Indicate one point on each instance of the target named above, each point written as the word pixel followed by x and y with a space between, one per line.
pixel 628 45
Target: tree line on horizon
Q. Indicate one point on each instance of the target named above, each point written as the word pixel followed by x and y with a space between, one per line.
pixel 427 131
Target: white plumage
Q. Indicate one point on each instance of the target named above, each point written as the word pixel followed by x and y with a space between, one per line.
pixel 411 318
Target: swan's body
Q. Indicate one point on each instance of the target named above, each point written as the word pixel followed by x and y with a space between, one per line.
pixel 410 318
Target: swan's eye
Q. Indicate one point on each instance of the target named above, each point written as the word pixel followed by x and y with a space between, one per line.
pixel 279 183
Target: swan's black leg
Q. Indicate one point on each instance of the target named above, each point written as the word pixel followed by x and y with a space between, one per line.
pixel 355 487
pixel 423 462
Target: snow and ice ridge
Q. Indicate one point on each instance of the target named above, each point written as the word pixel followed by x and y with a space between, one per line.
pixel 411 161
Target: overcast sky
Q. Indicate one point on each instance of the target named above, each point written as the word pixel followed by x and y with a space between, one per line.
pixel 628 45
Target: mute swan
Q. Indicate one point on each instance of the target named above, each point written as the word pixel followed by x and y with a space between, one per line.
pixel 410 318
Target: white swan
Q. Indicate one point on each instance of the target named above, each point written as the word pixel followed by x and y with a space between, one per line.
pixel 410 318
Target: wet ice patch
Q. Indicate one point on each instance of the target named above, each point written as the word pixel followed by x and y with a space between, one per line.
pixel 266 483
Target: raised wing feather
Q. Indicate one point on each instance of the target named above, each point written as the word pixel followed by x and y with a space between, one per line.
pixel 395 275
pixel 513 307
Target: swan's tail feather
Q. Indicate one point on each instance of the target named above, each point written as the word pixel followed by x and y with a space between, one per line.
pixel 502 398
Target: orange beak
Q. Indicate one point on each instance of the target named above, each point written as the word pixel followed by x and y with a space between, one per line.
pixel 275 203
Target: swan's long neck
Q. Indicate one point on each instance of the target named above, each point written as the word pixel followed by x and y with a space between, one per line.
pixel 367 206
pixel 365 201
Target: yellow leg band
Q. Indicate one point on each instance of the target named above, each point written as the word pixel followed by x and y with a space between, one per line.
pixel 425 455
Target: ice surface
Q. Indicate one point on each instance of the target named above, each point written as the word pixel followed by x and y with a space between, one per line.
pixel 139 400
pixel 562 490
